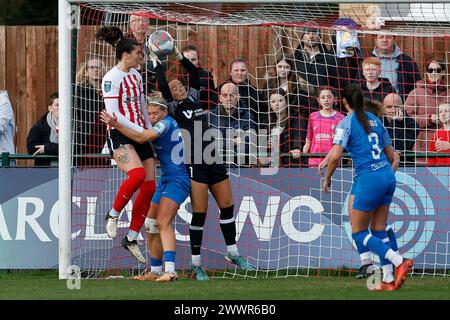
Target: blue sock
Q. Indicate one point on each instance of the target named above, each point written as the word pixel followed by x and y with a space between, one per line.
pixel 155 262
pixel 156 265
pixel 169 257
pixel 392 238
pixel 384 238
pixel 373 243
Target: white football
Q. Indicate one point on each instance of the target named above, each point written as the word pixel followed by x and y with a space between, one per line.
pixel 161 43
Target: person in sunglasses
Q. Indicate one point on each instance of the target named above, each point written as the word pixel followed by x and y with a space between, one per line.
pixel 422 103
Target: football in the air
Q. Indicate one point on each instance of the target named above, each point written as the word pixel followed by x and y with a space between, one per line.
pixel 160 42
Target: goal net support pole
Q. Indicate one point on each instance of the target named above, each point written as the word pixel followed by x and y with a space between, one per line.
pixel 64 83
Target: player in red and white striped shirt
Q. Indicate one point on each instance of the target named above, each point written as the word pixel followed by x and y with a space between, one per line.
pixel 124 98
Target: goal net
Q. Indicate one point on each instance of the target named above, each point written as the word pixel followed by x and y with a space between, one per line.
pixel 286 226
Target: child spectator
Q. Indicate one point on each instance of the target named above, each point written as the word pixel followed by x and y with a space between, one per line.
pixel 441 138
pixel 321 125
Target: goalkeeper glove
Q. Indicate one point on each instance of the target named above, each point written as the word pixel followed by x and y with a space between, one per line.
pixel 153 58
pixel 177 54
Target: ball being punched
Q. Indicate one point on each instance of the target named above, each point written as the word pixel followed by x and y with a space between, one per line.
pixel 161 43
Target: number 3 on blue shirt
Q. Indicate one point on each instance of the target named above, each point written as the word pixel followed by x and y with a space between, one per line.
pixel 376 152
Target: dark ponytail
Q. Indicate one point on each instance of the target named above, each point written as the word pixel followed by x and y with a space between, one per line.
pixel 353 96
pixel 115 37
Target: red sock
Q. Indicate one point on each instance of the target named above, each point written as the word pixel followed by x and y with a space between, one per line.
pixel 141 205
pixel 135 179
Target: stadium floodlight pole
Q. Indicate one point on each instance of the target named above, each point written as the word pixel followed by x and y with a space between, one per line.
pixel 64 85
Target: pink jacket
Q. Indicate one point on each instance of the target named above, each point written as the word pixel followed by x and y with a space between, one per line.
pixel 421 103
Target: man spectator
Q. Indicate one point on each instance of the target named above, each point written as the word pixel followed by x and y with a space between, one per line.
pixel 7 125
pixel 397 66
pixel 313 61
pixel 206 78
pixel 401 128
pixel 235 124
pixel 138 28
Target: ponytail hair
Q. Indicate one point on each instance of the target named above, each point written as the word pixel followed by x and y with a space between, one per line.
pixel 114 36
pixel 353 96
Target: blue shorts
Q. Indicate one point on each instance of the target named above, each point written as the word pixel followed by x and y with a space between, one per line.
pixel 374 189
pixel 176 189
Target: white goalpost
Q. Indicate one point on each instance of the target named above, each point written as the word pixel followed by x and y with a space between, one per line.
pixel 285 225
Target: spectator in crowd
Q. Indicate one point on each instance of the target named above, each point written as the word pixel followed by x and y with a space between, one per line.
pixel 283 76
pixel 348 52
pixel 90 133
pixel 422 102
pixel 441 138
pixel 374 88
pixel 284 130
pixel 43 136
pixel 321 125
pixel 138 27
pixel 397 66
pixel 247 92
pixel 7 125
pixel 137 30
pixel 235 124
pixel 209 90
pixel 402 128
pixel 313 61
pixel 206 78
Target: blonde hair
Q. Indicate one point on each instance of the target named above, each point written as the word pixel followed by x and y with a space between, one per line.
pixel 156 99
pixel 82 74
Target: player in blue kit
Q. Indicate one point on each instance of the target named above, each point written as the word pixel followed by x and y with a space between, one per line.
pixel 171 191
pixel 366 139
pixel 367 267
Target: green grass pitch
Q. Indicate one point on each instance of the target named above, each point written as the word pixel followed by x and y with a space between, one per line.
pixel 45 285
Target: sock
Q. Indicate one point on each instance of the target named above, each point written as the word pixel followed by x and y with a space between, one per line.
pixel 155 265
pixel 388 273
pixel 366 257
pixel 384 238
pixel 364 238
pixel 113 213
pixel 394 257
pixel 364 254
pixel 196 233
pixel 197 260
pixel 233 250
pixel 136 177
pixel 392 238
pixel 169 257
pixel 228 225
pixel 132 235
pixel 141 205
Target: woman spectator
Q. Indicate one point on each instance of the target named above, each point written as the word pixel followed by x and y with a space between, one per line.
pixel 284 130
pixel 90 133
pixel 247 92
pixel 44 135
pixel 283 76
pixel 422 103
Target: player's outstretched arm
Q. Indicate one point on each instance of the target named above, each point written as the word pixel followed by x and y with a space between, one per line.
pixel 334 160
pixel 139 137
